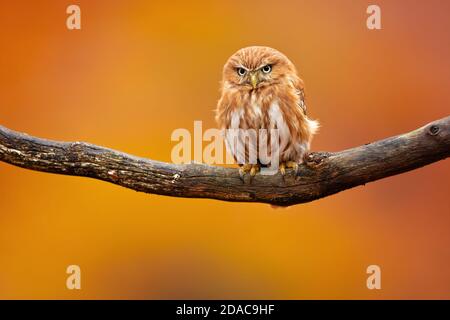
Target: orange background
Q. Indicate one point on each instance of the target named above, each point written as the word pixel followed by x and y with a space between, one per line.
pixel 137 70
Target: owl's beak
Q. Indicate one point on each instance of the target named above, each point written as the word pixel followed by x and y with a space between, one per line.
pixel 254 80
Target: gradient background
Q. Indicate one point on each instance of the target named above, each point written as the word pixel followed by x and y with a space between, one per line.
pixel 140 69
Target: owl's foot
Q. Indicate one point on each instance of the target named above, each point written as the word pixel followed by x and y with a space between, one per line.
pixel 288 164
pixel 252 169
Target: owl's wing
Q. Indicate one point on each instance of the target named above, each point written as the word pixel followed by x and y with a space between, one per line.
pixel 301 102
pixel 300 91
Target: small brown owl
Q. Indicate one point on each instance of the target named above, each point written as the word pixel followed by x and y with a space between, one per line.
pixel 261 90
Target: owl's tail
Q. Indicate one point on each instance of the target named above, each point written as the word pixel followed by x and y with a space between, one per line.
pixel 313 126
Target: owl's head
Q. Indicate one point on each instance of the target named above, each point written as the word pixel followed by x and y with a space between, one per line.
pixel 257 67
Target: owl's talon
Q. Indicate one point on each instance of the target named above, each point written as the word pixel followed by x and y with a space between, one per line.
pixel 252 169
pixel 294 166
pixel 282 168
pixel 243 170
pixel 288 164
pixel 241 174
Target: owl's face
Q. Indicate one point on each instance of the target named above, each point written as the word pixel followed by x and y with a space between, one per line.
pixel 257 67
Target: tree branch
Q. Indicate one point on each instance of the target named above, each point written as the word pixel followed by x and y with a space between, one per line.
pixel 322 174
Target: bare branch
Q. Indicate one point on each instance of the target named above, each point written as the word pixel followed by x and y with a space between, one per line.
pixel 323 173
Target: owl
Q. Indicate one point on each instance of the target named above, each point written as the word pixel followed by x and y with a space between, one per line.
pixel 261 93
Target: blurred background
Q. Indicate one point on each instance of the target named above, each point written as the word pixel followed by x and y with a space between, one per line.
pixel 137 70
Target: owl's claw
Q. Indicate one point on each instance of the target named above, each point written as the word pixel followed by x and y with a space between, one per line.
pixel 288 164
pixel 243 169
pixel 282 168
pixel 253 169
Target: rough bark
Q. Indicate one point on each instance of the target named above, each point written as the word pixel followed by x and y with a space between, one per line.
pixel 322 174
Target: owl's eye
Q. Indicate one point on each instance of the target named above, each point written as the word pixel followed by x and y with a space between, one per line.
pixel 267 68
pixel 241 71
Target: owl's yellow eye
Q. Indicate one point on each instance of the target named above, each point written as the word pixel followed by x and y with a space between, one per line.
pixel 267 68
pixel 241 71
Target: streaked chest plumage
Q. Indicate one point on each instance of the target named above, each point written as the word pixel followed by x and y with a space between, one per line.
pixel 266 111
